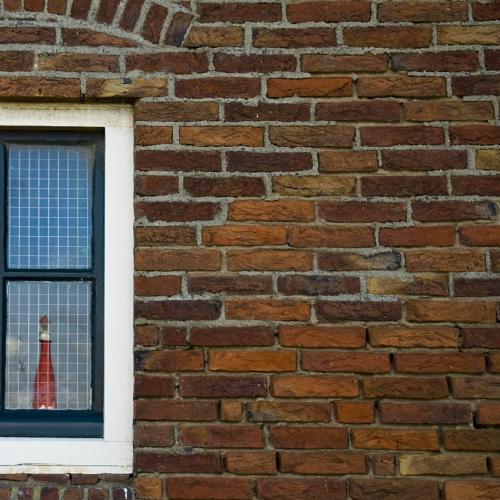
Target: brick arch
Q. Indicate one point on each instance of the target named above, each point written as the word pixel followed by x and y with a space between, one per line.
pixel 158 22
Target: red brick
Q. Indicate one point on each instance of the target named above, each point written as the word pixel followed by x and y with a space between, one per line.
pixel 80 9
pixel 175 62
pixel 36 88
pixel 477 287
pixel 475 134
pixel 401 135
pixel 414 285
pixel 406 387
pixel 388 36
pixel 418 236
pixel 403 186
pixel 359 111
pixel 224 186
pixel 165 236
pixel 491 59
pixel 480 236
pixel 435 61
pixel 476 85
pixel 156 435
pixel 176 211
pixel 322 336
pixel 349 261
pixel 318 285
pixel 176 111
pixel 252 361
pixel 439 211
pixel 166 409
pixel 154 259
pixel 222 386
pixel 244 235
pixel 155 185
pixel 263 111
pixel 267 162
pixel 88 37
pixel 106 11
pixel 472 439
pixel 332 11
pixel 322 463
pixel 146 335
pixel 238 12
pixel 178 310
pixel 312 136
pixel 326 236
pixel 222 436
pixel 27 34
pixel 488 414
pixel 359 412
pixel 170 361
pixel 309 87
pixel 270 310
pixel 487 490
pixel 254 63
pixel 34 5
pixel 251 462
pixel 153 23
pixel 272 211
pixel 232 336
pixel 203 36
pixel 17 61
pixel 131 14
pixel 205 488
pixel 358 311
pixel 355 211
pixel 197 88
pixel 445 261
pixel 440 363
pixel 401 86
pixel 476 185
pixel 449 110
pixel 273 411
pixel 221 136
pixel 178 161
pixel 425 337
pixel 396 439
pixel 232 284
pixel 359 362
pixel 488 338
pixel 157 285
pixel 476 387
pixel 401 489
pixel 451 310
pixel 294 38
pixel 301 489
pixel 269 260
pixel 327 63
pixel 425 413
pixel 423 11
pixel 424 160
pixel 308 437
pixel 299 386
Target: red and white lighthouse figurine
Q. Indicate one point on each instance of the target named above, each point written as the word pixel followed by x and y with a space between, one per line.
pixel 45 396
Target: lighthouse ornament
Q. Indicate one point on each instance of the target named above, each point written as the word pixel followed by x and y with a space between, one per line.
pixel 45 397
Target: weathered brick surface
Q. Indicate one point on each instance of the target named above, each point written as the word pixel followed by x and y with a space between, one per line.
pixel 316 237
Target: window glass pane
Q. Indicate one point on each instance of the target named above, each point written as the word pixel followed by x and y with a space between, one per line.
pixel 49 207
pixel 48 345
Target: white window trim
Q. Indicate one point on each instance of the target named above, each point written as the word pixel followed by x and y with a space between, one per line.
pixel 113 453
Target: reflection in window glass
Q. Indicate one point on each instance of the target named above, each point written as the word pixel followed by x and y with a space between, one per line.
pixel 49 207
pixel 48 345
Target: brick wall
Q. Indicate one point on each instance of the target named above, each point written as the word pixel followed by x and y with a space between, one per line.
pixel 316 244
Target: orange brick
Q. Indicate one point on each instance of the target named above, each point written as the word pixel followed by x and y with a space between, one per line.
pixel 270 310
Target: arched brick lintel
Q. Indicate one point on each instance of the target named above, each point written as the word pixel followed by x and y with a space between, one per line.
pixel 158 22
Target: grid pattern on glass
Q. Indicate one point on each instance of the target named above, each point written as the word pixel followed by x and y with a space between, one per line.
pixel 66 307
pixel 49 207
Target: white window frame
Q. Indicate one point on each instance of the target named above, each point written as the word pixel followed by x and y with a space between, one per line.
pixel 114 452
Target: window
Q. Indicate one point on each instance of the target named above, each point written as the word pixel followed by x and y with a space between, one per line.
pixel 52 283
pixel 66 288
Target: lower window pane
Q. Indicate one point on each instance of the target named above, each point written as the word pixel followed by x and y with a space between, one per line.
pixel 48 345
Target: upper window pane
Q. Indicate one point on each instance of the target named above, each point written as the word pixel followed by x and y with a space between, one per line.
pixel 49 207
